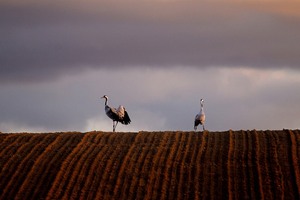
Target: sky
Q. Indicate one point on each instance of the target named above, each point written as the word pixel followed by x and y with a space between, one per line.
pixel 157 58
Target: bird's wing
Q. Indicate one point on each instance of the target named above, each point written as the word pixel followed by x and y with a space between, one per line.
pixel 197 120
pixel 121 112
pixel 202 118
pixel 111 113
pixel 196 123
pixel 126 120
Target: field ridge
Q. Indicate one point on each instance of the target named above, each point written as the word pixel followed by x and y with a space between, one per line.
pixel 244 164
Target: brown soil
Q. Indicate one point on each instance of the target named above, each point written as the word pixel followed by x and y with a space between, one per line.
pixel 151 165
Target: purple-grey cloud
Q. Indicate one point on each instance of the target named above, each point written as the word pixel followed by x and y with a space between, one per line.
pixel 40 41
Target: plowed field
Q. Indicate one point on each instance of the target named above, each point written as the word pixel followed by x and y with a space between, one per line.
pixel 151 165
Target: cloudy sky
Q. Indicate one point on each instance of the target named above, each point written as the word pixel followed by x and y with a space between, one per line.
pixel 158 58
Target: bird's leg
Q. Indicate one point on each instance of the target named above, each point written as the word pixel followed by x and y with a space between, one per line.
pixel 203 127
pixel 114 126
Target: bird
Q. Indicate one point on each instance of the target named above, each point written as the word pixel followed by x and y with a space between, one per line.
pixel 200 117
pixel 117 115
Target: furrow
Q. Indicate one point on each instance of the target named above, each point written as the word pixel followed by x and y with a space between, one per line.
pixel 169 190
pixel 184 189
pixel 243 187
pixel 221 175
pixel 114 165
pixel 99 165
pixel 258 165
pixel 10 150
pixel 163 165
pixel 44 171
pixel 99 141
pixel 196 142
pixel 159 164
pixel 94 178
pixel 295 161
pixel 35 147
pixel 216 163
pixel 9 169
pixel 6 140
pixel 147 166
pixel 65 173
pixel 208 165
pixel 200 158
pixel 132 174
pixel 251 169
pixel 275 168
pixel 124 166
pixel 264 165
pixel 230 165
pixel 137 186
pixel 77 179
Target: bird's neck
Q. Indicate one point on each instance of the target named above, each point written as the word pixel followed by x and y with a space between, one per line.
pixel 107 108
pixel 106 101
pixel 201 108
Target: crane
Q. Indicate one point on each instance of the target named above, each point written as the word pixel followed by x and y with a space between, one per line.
pixel 200 117
pixel 117 115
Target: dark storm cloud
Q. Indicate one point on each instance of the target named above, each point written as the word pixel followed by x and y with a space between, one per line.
pixel 43 40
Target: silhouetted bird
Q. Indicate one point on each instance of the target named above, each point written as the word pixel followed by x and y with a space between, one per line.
pixel 200 117
pixel 117 115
